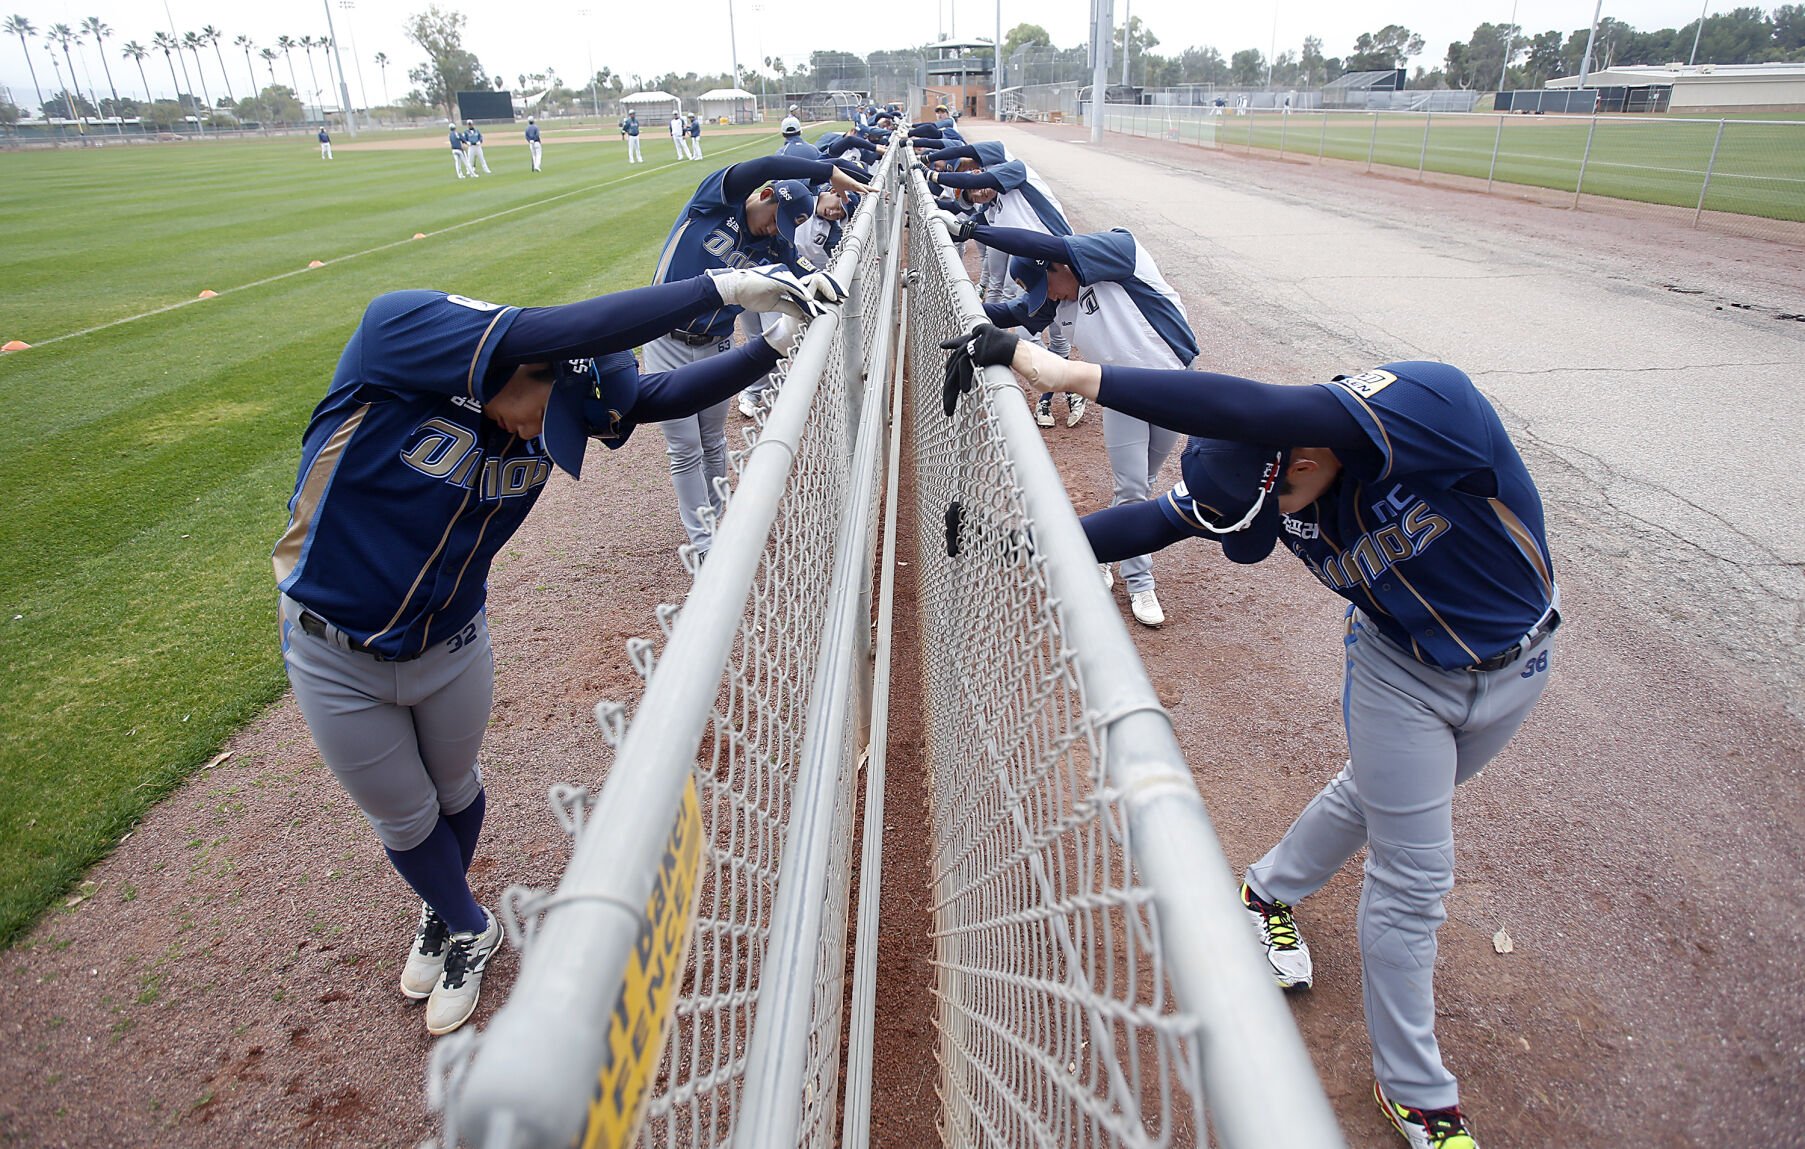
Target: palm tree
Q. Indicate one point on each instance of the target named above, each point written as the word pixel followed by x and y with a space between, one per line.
pixel 136 52
pixel 268 56
pixel 284 44
pixel 93 27
pixel 192 43
pixel 262 112
pixel 211 35
pixel 64 35
pixel 21 27
pixel 309 43
pixel 165 43
pixel 382 61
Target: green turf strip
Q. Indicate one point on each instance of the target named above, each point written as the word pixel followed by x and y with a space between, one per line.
pixel 148 464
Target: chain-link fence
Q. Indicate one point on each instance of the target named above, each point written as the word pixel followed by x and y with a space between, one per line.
pixel 1740 176
pixel 1094 982
pixel 708 883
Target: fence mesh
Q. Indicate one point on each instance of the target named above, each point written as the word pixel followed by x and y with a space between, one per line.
pixel 1056 1023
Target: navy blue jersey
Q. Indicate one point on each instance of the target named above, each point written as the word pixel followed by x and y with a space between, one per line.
pixel 472 136
pixel 324 138
pixel 797 146
pixel 710 233
pixel 457 140
pixel 402 427
pixel 1115 257
pixel 1437 531
pixel 532 132
pixel 629 126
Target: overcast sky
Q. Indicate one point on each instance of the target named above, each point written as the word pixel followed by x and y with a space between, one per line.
pixel 651 37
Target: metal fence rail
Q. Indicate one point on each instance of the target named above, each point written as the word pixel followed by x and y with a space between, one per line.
pixel 741 737
pixel 1095 981
pixel 1741 176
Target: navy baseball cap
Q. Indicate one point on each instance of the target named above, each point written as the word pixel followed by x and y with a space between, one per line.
pixel 590 399
pixel 795 204
pixel 1032 275
pixel 1231 493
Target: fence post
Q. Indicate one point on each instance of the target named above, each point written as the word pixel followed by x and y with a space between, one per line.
pixel 1581 182
pixel 1496 140
pixel 1709 167
pixel 1323 143
pixel 1372 143
pixel 1284 126
pixel 1423 156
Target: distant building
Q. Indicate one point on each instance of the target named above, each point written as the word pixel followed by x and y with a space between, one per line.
pixel 1707 87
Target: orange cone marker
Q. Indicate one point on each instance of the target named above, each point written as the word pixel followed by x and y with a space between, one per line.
pixel 315 263
pixel 419 235
pixel 16 345
pixel 209 294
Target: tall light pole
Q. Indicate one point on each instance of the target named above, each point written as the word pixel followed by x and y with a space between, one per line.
pixel 1585 62
pixel 1103 27
pixel 595 106
pixel 344 89
pixel 1692 59
pixel 362 92
pixel 733 44
pixel 996 68
pixel 1127 37
pixel 1510 32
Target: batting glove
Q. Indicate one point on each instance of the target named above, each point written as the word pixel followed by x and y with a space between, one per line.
pixel 823 288
pixel 959 227
pixel 783 335
pixel 765 289
pixel 986 346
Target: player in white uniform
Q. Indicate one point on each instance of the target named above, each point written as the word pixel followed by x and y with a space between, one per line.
pixel 473 147
pixel 1012 194
pixel 532 141
pixel 629 131
pixel 1107 290
pixel 680 137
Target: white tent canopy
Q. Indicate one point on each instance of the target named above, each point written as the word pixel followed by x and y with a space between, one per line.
pixel 735 104
pixel 650 100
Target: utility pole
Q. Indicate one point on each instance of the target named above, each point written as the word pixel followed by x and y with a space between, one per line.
pixel 1585 63
pixel 996 68
pixel 1510 32
pixel 1693 59
pixel 344 89
pixel 1103 27
pixel 1127 37
pixel 363 93
pixel 733 45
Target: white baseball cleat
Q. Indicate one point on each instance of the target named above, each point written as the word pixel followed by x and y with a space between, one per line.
pixel 1074 409
pixel 426 960
pixel 1286 952
pixel 1109 576
pixel 748 406
pixel 1145 605
pixel 1043 410
pixel 454 999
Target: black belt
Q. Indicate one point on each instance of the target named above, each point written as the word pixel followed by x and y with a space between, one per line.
pixel 1549 624
pixel 313 624
pixel 696 340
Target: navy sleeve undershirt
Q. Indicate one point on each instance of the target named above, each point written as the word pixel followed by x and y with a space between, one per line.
pixel 847 143
pixel 748 176
pixel 1015 314
pixel 968 180
pixel 960 152
pixel 603 325
pixel 665 395
pixel 1215 406
pixel 1021 241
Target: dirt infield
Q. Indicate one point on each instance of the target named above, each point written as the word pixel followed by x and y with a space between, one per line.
pixel 228 978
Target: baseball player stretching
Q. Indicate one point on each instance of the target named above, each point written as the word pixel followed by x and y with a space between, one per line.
pixel 736 217
pixel 435 438
pixel 1411 502
pixel 532 141
pixel 1107 290
pixel 460 155
pixel 473 148
pixel 629 131
pixel 1012 194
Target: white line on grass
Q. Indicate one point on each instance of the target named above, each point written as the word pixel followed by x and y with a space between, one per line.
pixel 373 250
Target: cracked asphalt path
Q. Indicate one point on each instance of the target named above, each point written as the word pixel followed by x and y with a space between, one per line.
pixel 1643 838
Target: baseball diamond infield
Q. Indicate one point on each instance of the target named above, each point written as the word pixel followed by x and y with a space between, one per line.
pixel 227 977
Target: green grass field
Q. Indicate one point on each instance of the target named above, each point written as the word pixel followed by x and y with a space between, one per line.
pixel 149 454
pixel 1759 170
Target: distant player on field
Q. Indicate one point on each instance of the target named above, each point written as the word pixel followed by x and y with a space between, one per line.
pixel 473 147
pixel 629 131
pixel 325 145
pixel 532 141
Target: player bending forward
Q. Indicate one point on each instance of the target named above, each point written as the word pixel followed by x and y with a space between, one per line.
pixel 436 437
pixel 1401 491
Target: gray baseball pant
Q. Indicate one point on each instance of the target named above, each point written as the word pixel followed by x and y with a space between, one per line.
pixel 1414 733
pixel 752 325
pixel 401 737
pixel 697 445
pixel 1137 450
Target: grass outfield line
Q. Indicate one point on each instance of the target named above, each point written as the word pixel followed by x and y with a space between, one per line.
pixel 148 459
pixel 1759 168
